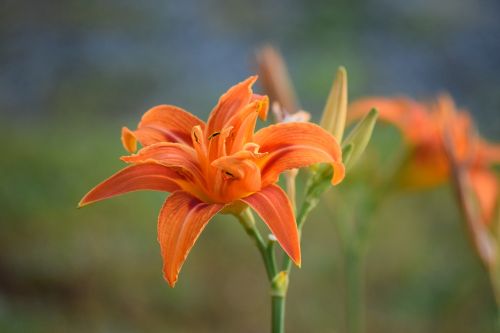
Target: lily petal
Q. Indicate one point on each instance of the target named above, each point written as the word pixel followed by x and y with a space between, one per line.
pixel 425 166
pixel 243 122
pixel 410 117
pixel 274 207
pixel 490 152
pixel 129 140
pixel 296 145
pixel 181 221
pixel 149 176
pixel 485 185
pixel 163 123
pixel 240 176
pixel 233 100
pixel 174 155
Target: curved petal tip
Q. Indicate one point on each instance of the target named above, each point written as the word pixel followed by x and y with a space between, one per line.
pixel 129 140
pixel 338 173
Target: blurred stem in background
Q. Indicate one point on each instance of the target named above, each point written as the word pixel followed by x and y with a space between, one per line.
pixel 354 232
pixel 354 229
pixel 353 238
pixel 354 269
pixel 485 241
pixel 353 257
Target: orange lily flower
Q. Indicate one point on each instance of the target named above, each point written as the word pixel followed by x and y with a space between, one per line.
pixel 424 127
pixel 217 166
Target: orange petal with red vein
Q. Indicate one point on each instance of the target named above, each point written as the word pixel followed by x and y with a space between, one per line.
pixel 182 219
pixel 244 121
pixel 149 176
pixel 232 101
pixel 296 145
pixel 174 155
pixel 273 206
pixel 485 185
pixel 166 123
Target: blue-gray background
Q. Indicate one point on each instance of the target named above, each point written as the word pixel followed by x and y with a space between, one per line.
pixel 73 72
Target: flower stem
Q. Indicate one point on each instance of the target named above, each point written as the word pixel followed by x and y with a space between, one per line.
pixel 278 281
pixel 354 230
pixel 279 288
pixel 495 285
pixel 248 222
pixel 354 284
pixel 278 314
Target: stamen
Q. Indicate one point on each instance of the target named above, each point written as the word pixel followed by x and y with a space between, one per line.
pixel 213 135
pixel 200 147
pixel 197 135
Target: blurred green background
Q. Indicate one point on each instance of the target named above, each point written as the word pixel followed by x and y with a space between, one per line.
pixel 73 72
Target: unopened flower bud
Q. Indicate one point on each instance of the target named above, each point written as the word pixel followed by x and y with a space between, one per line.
pixel 334 113
pixel 360 136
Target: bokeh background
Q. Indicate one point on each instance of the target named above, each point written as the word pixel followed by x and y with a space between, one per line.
pixel 73 72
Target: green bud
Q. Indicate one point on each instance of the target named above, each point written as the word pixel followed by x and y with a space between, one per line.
pixel 360 136
pixel 334 113
pixel 347 151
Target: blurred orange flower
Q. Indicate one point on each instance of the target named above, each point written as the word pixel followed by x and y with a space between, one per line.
pixel 424 127
pixel 215 166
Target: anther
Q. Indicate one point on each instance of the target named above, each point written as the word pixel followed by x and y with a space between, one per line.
pixel 213 135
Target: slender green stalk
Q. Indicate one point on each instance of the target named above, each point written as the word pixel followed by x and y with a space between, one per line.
pixel 354 284
pixel 278 314
pixel 248 222
pixel 354 231
pixel 278 281
pixel 271 255
pixel 279 288
pixel 495 285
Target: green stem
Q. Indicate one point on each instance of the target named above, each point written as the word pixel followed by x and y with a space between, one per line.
pixel 278 281
pixel 271 255
pixel 354 234
pixel 279 288
pixel 495 285
pixel 278 314
pixel 354 283
pixel 248 222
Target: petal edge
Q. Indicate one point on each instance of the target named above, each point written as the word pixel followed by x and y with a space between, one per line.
pixel 274 208
pixel 296 145
pixel 147 176
pixel 180 222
